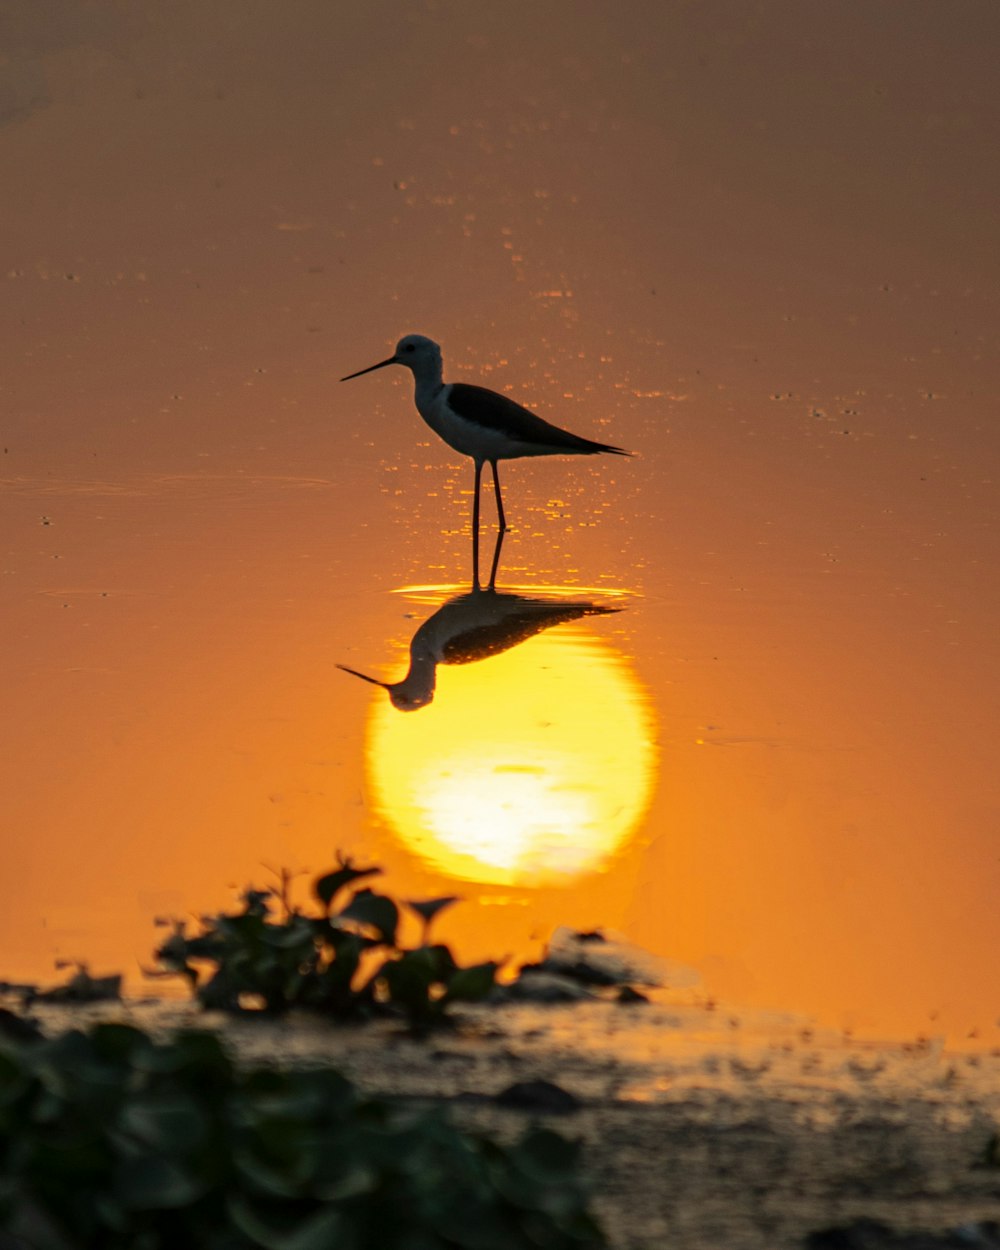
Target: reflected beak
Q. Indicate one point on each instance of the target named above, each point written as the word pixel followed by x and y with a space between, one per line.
pixel 381 365
pixel 353 671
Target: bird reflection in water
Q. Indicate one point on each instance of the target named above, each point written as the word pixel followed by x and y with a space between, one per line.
pixel 475 625
pixel 538 766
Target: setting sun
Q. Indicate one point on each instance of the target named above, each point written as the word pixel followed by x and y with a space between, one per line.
pixel 530 767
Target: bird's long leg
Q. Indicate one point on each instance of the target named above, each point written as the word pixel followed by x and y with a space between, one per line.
pixel 496 561
pixel 496 488
pixel 475 525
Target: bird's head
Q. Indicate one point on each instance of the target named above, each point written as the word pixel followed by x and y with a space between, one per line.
pixel 417 352
pixel 408 695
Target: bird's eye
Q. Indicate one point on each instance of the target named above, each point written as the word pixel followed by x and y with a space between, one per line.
pixel 409 348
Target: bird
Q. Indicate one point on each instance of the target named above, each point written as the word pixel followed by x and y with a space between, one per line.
pixel 470 626
pixel 480 423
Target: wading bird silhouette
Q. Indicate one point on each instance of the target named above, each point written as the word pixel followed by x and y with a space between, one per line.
pixel 480 423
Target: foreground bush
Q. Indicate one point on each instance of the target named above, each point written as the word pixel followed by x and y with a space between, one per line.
pixel 111 1141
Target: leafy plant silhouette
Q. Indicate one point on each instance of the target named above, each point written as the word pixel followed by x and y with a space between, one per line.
pixel 110 1140
pixel 345 960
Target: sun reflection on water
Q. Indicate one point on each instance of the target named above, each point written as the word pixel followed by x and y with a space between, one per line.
pixel 531 767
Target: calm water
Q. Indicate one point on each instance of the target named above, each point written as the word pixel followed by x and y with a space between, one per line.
pixel 756 246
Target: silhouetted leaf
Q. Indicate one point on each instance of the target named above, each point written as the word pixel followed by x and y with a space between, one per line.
pixel 548 1154
pixel 375 910
pixel 169 1123
pixel 196 1052
pixel 473 984
pixel 149 1183
pixel 427 909
pixel 266 1178
pixel 116 1042
pixel 321 1230
pixel 409 980
pixel 15 1028
pixel 355 1182
pixel 441 960
pixel 327 887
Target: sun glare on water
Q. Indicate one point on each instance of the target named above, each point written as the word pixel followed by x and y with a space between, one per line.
pixel 529 768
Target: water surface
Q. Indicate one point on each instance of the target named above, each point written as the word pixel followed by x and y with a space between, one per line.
pixel 755 247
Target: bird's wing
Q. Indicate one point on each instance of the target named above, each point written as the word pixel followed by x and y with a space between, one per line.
pixel 519 624
pixel 497 412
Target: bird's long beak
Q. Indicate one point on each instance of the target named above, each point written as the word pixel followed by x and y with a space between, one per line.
pixel 381 365
pixel 353 671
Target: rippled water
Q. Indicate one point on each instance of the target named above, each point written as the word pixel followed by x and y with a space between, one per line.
pixel 757 250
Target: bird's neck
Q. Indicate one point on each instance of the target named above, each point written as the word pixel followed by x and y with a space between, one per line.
pixel 427 381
